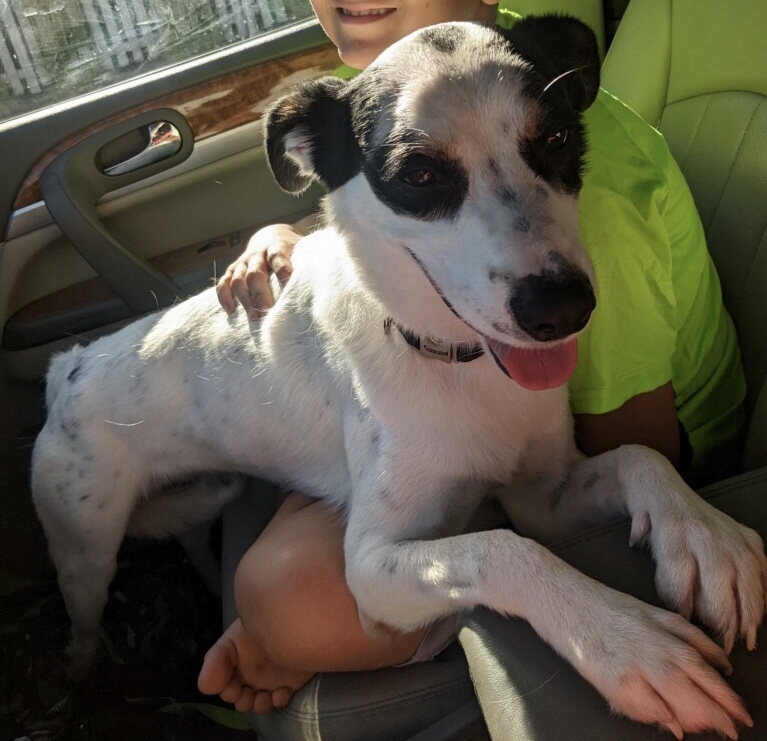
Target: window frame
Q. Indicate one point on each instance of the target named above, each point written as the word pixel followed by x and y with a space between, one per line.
pixel 26 138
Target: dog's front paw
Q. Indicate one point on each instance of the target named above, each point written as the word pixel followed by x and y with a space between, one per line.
pixel 655 667
pixel 710 566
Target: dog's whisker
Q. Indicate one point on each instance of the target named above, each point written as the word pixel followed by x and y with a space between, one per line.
pixel 560 77
pixel 124 424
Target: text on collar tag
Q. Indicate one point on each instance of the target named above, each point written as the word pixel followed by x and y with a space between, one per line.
pixel 432 348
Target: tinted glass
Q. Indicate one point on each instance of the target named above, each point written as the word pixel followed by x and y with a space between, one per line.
pixel 54 50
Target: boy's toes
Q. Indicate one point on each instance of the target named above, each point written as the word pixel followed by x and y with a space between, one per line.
pixel 262 702
pixel 281 696
pixel 232 692
pixel 217 668
pixel 245 700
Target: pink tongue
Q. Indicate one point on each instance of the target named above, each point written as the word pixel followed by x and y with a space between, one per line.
pixel 538 370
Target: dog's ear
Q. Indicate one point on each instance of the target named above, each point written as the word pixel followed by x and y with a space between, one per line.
pixel 309 137
pixel 564 50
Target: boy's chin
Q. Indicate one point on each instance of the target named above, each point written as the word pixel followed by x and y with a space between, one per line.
pixel 358 56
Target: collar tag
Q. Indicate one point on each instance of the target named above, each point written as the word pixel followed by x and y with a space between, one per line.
pixel 435 349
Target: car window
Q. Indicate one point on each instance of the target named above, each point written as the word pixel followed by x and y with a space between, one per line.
pixel 55 50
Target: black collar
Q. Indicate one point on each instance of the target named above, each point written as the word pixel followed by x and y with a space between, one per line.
pixel 447 352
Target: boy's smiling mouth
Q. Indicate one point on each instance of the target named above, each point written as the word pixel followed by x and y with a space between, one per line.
pixel 363 15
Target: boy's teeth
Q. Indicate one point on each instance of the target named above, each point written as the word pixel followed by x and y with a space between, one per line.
pixel 378 11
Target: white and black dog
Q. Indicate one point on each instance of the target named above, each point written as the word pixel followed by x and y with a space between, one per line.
pixel 453 166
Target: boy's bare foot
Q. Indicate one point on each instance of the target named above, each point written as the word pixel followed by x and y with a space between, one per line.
pixel 238 671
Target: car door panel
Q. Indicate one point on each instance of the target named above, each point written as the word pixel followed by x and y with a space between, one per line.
pixel 189 222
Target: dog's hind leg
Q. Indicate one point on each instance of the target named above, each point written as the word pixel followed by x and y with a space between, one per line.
pixel 187 511
pixel 84 503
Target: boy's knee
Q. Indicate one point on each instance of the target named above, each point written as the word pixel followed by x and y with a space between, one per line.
pixel 277 586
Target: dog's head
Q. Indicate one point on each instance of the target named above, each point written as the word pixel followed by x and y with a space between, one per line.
pixel 456 158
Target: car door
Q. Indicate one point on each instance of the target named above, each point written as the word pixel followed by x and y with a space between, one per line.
pixel 132 174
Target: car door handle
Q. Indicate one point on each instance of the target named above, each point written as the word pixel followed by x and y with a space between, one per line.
pixel 163 140
pixel 75 181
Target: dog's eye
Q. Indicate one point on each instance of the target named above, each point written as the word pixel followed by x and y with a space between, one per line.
pixel 558 139
pixel 420 178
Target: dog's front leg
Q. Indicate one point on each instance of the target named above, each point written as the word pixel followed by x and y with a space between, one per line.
pixel 650 664
pixel 707 564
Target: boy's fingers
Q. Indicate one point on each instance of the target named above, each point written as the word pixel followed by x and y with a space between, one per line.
pixel 224 293
pixel 279 260
pixel 282 268
pixel 239 285
pixel 260 292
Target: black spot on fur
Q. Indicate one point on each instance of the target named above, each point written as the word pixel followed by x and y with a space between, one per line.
pixel 75 372
pixel 509 197
pixel 494 276
pixel 84 498
pixel 70 429
pixel 390 565
pixel 493 167
pixel 521 224
pixel 442 39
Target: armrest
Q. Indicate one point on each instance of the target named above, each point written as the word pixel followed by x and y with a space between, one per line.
pixel 528 693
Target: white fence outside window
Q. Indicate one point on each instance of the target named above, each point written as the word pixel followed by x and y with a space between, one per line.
pixel 53 50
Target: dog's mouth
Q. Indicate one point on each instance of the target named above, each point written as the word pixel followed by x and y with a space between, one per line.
pixel 533 368
pixel 536 369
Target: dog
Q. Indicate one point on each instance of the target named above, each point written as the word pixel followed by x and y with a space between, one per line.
pixel 414 364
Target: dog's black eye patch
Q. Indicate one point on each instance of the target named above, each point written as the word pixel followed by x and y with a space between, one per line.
pixel 424 186
pixel 556 154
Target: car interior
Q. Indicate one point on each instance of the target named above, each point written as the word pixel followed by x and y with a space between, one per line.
pixel 116 203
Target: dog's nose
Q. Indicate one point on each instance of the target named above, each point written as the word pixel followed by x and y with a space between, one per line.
pixel 552 308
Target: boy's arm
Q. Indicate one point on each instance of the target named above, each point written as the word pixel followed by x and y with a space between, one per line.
pixel 645 419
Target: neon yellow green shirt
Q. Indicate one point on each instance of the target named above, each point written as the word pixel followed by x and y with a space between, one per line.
pixel 659 314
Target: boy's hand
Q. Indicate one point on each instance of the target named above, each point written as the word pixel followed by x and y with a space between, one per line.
pixel 247 279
